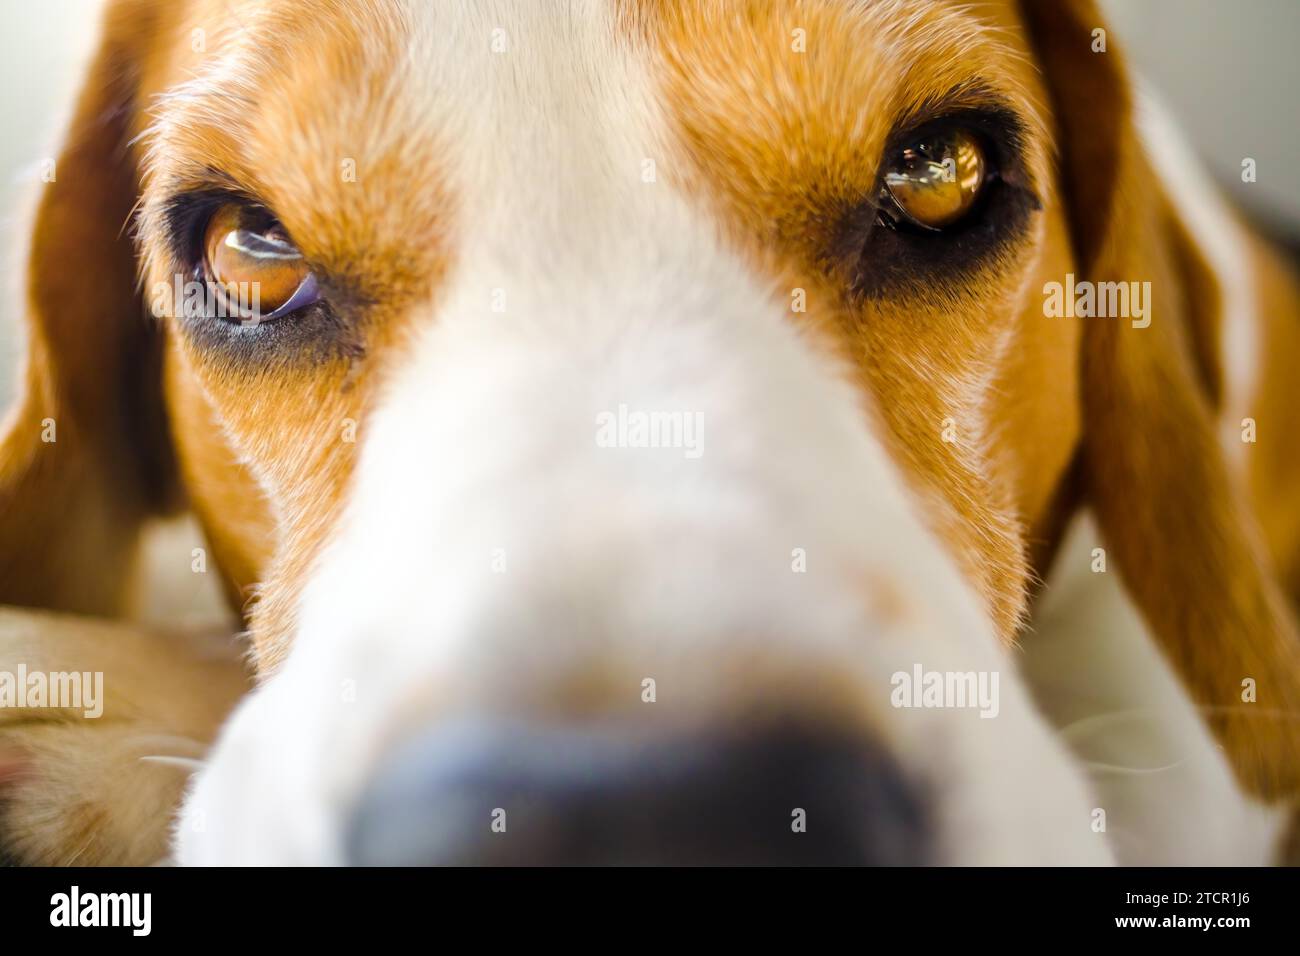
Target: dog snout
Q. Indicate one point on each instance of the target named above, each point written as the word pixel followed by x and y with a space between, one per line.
pixel 512 794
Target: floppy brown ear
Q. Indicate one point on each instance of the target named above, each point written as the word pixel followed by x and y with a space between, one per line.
pixel 1173 516
pixel 84 456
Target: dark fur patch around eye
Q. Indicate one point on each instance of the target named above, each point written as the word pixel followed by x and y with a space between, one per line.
pixel 321 332
pixel 883 258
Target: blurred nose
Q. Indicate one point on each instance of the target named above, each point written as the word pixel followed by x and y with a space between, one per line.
pixel 505 794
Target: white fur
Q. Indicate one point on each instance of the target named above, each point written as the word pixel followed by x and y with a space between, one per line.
pixel 1167 789
pixel 1170 795
pixel 620 564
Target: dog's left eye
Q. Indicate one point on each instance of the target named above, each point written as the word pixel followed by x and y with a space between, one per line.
pixel 933 181
pixel 247 254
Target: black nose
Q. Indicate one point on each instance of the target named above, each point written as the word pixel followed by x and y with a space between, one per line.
pixel 506 794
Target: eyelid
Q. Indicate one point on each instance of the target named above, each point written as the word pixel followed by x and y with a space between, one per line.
pixel 1003 129
pixel 188 207
pixel 308 291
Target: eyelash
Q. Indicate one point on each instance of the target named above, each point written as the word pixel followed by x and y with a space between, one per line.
pixel 185 216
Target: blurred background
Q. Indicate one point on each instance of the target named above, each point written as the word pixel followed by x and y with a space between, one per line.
pixel 1227 68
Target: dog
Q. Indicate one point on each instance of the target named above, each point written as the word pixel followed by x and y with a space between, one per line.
pixel 641 431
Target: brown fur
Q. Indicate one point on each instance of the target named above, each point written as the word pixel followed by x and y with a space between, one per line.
pixel 1077 409
pixel 1172 513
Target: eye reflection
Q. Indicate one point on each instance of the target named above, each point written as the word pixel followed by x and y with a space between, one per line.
pixel 933 182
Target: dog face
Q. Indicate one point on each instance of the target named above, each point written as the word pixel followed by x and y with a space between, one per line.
pixel 627 378
pixel 392 224
pixel 530 184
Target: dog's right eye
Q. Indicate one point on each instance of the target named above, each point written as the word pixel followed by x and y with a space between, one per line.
pixel 249 257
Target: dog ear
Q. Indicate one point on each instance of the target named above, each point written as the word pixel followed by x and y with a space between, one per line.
pixel 1172 513
pixel 85 456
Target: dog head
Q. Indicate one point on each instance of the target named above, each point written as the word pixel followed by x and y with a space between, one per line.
pixel 594 408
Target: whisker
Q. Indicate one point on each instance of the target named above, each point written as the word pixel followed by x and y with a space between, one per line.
pixel 80 852
pixel 171 760
pixel 1084 723
pixel 181 746
pixel 1095 721
pixel 1093 766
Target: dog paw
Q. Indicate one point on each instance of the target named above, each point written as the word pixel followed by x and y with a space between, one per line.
pixel 101 784
pixel 77 795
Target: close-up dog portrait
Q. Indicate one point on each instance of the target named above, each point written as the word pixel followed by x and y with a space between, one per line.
pixel 650 432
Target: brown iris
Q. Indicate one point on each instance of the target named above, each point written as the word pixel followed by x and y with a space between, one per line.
pixel 934 181
pixel 248 252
